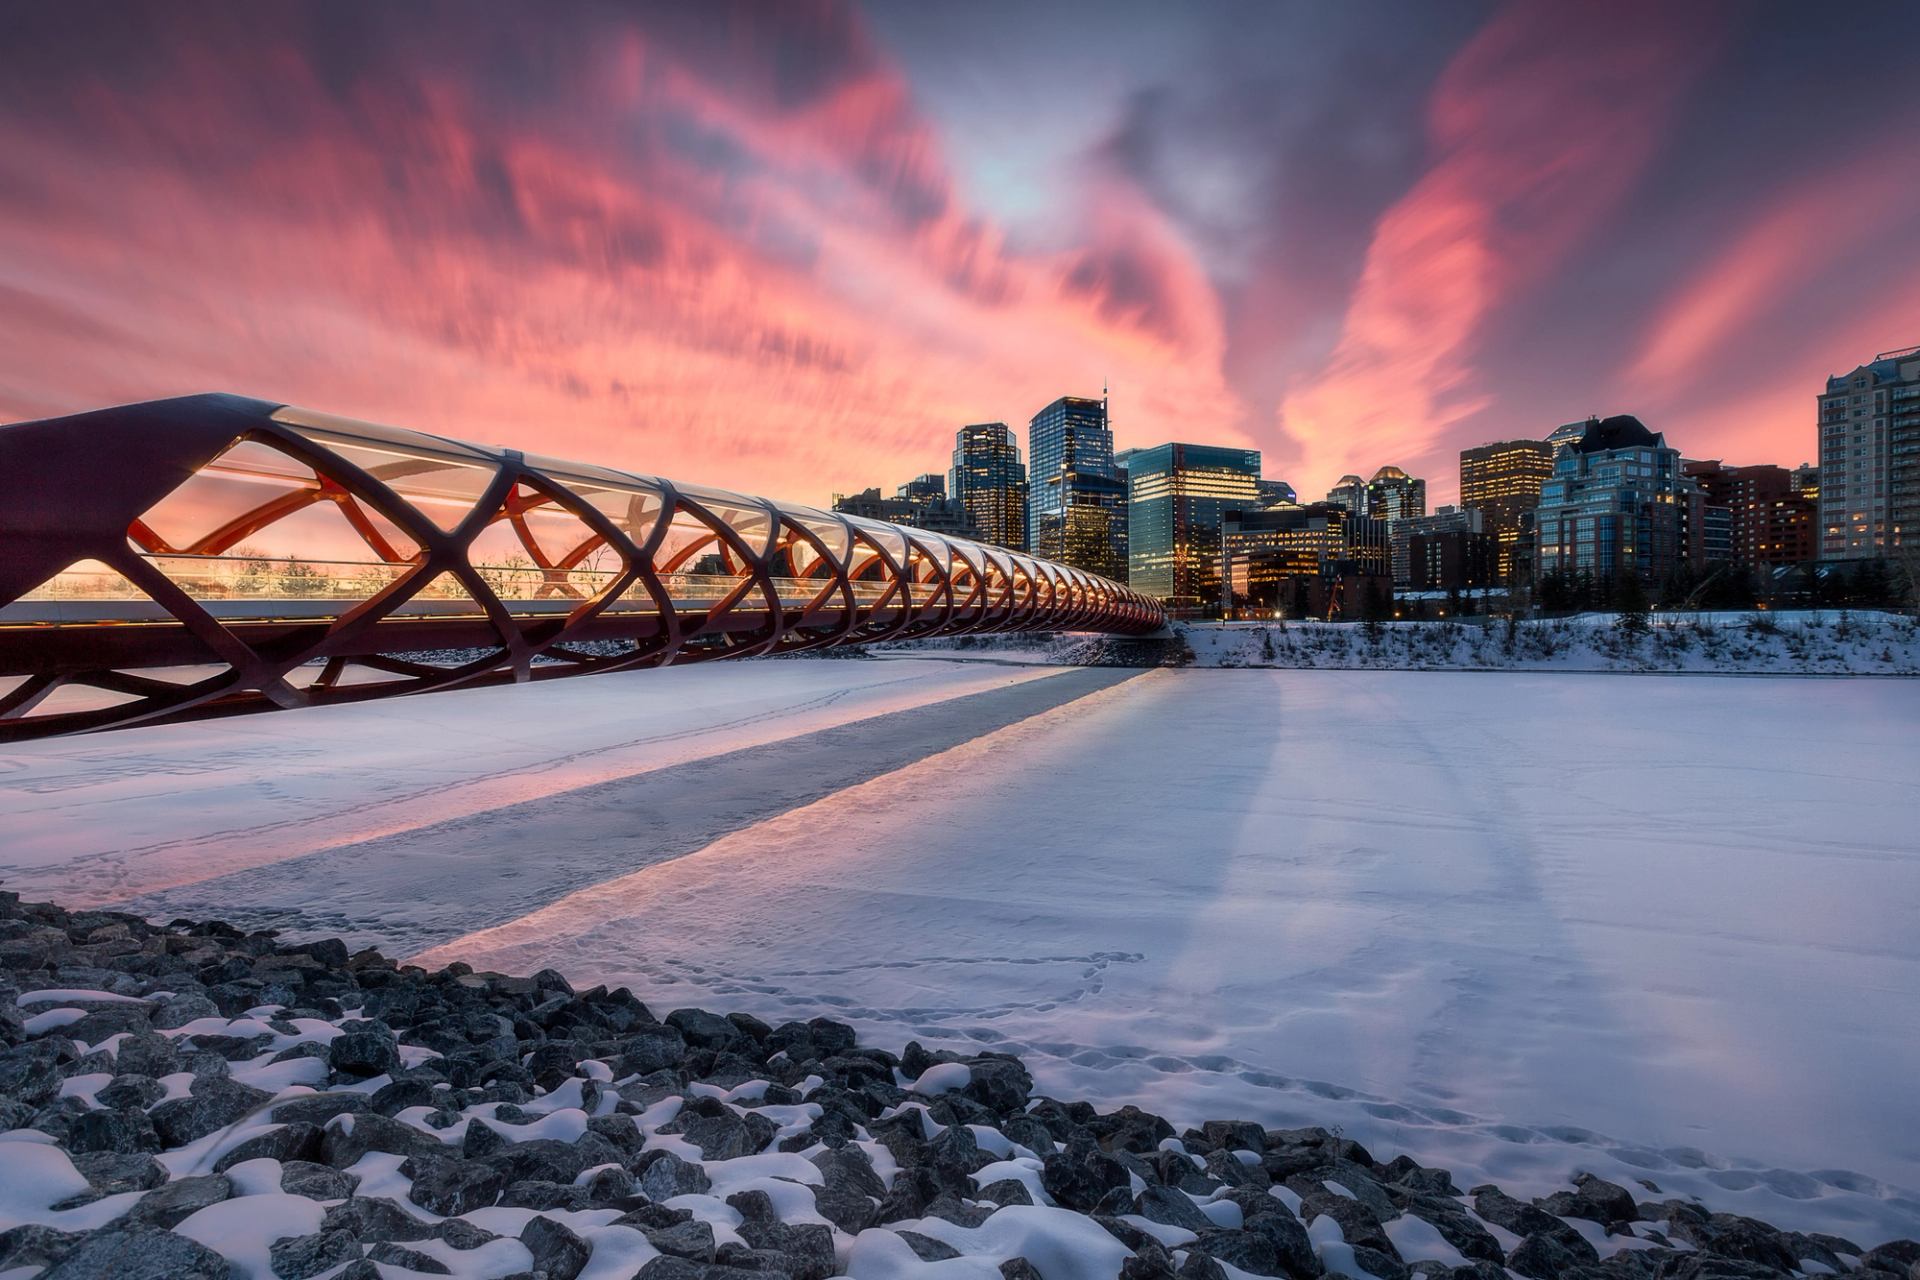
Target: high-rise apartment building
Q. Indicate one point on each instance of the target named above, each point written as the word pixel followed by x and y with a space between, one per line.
pixel 1401 533
pixel 1177 495
pixel 1870 457
pixel 1567 434
pixel 990 481
pixel 1617 504
pixel 1502 482
pixel 1076 501
pixel 1770 519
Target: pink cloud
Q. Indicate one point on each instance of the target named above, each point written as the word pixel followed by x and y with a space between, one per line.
pixel 1752 285
pixel 665 255
pixel 1538 130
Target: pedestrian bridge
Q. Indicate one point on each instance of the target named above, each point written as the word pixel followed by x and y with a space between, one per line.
pixel 210 555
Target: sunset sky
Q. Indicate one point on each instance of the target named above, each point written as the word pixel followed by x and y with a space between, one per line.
pixel 789 247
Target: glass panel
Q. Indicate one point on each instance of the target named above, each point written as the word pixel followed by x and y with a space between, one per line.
pixel 939 550
pixel 441 478
pixel 309 423
pixel 546 534
pixel 250 481
pixel 745 516
pixel 884 535
pixel 86 591
pixel 691 545
pixel 631 503
pixel 829 529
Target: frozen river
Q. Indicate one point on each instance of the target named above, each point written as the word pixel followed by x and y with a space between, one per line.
pixel 1515 924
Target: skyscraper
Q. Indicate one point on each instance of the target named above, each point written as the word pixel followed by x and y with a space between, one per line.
pixel 1351 493
pixel 1617 504
pixel 1076 502
pixel 1502 482
pixel 990 481
pixel 1176 497
pixel 1392 495
pixel 1870 457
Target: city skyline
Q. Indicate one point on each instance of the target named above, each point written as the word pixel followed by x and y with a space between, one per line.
pixel 803 252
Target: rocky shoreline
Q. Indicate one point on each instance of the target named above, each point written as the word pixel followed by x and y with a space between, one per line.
pixel 196 1102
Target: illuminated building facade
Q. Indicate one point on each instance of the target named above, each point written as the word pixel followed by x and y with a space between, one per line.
pixel 1401 533
pixel 1177 496
pixel 1502 482
pixel 1267 557
pixel 1274 493
pixel 1351 493
pixel 928 509
pixel 1870 457
pixel 1076 500
pixel 990 481
pixel 1393 495
pixel 1618 504
pixel 1771 521
pixel 1451 560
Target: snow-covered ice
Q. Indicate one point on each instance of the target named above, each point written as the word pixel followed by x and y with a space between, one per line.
pixel 1514 925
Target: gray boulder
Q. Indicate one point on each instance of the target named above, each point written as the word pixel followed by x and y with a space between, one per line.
pixel 365 1052
pixel 182 1009
pixel 390 1254
pixel 128 1252
pixel 212 1105
pixel 111 1172
pixel 179 1200
pixel 449 1186
pixel 316 1181
pixel 1173 1208
pixel 668 1176
pixel 297 1257
pixel 691 1240
pixel 556 1250
pixel 122 1130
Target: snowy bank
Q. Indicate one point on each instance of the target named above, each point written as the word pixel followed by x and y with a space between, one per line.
pixel 1831 642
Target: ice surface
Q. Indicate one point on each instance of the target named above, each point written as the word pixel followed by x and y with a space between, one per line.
pixel 98 819
pixel 1513 925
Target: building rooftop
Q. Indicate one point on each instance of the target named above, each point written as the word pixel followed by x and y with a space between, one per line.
pixel 1622 431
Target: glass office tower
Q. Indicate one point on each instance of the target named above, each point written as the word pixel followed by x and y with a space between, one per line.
pixel 1076 502
pixel 990 481
pixel 1177 495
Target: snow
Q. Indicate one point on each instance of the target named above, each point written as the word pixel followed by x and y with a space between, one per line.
pixel 77 995
pixel 1810 642
pixel 1824 642
pixel 1515 925
pixel 1061 1244
pixel 98 819
pixel 944 1077
pixel 243 1229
